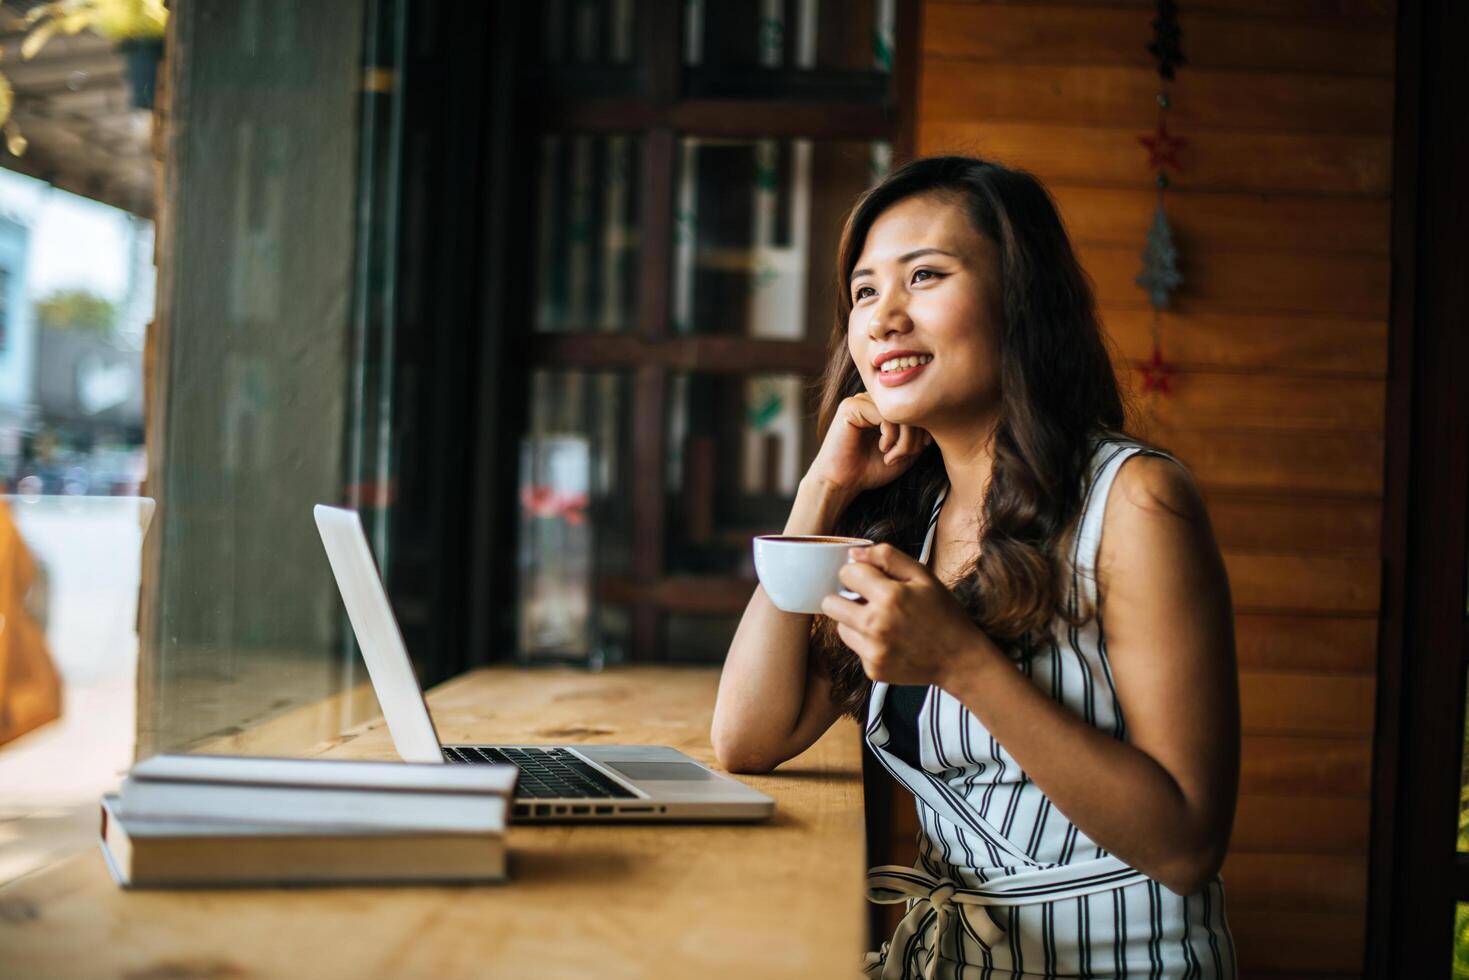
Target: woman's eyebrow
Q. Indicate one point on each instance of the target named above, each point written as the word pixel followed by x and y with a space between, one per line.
pixel 907 257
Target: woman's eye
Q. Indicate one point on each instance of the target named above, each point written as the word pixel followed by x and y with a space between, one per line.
pixel 919 272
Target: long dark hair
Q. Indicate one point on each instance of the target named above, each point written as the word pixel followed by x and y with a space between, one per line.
pixel 1058 394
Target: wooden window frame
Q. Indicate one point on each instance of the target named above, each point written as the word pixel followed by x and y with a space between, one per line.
pixel 658 115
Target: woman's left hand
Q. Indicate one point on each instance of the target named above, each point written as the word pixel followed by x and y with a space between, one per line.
pixel 911 629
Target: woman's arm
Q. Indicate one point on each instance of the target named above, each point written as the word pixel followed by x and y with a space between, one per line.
pixel 1163 801
pixel 774 702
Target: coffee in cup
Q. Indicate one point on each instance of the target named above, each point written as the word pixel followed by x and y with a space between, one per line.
pixel 799 570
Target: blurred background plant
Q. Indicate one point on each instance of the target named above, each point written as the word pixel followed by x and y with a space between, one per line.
pixel 136 25
pixel 77 309
pixel 1461 942
pixel 1461 915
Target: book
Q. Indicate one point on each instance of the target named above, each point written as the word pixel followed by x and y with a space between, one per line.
pixel 319 793
pixel 178 853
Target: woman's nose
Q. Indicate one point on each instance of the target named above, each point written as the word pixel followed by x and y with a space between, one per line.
pixel 890 318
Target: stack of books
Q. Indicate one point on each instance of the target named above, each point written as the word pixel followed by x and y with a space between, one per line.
pixel 190 820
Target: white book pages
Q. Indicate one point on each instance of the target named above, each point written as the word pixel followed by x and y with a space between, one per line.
pixel 349 774
pixel 142 828
pixel 311 807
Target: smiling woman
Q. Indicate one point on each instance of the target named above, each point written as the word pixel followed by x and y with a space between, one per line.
pixel 1075 788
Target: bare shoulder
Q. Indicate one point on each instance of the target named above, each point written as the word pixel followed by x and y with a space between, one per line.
pixel 1154 508
pixel 1156 486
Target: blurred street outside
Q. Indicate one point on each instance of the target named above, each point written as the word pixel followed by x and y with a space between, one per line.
pixel 51 778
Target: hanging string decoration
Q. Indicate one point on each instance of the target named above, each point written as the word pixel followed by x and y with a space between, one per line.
pixel 1160 276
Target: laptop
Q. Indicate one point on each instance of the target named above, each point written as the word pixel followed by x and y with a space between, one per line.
pixel 557 782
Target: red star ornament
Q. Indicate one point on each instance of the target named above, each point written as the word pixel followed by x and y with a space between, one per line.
pixel 1156 373
pixel 1163 148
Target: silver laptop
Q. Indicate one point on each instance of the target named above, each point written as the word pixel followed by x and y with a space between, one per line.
pixel 557 782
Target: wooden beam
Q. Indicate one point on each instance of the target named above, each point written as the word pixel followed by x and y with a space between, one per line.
pixel 724 117
pixel 712 354
pixel 660 34
pixel 907 35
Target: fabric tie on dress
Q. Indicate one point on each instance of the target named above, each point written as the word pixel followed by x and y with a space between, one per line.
pixel 934 905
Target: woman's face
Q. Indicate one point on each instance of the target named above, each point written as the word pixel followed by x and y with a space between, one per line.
pixel 927 285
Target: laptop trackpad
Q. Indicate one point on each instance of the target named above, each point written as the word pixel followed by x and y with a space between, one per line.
pixel 660 770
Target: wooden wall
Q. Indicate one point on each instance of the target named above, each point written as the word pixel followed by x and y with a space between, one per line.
pixel 1280 334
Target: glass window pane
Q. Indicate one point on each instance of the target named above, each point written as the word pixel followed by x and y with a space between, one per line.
pixel 278 318
pixel 788 49
pixel 576 515
pixel 737 448
pixel 756 226
pixel 77 288
pixel 589 46
pixel 588 233
pixel 264 329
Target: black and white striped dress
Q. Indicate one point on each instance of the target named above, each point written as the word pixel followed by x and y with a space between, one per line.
pixel 1004 884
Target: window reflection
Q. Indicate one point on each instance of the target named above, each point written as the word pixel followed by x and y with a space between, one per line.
pixel 588 32
pixel 588 240
pixel 793 49
pixel 737 448
pixel 753 248
pixel 576 522
pixel 589 46
pixel 595 406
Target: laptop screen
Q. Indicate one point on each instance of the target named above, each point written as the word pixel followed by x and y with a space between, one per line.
pixel 377 634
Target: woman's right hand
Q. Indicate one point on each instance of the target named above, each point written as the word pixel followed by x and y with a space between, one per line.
pixel 863 450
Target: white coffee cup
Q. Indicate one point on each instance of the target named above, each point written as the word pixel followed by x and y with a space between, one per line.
pixel 799 570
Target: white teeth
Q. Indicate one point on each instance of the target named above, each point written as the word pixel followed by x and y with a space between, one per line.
pixel 904 363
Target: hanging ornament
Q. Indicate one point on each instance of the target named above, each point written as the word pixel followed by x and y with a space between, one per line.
pixel 1160 275
pixel 1166 46
pixel 1163 148
pixel 1157 371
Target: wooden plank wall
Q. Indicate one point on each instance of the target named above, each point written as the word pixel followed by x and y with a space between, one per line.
pixel 1280 331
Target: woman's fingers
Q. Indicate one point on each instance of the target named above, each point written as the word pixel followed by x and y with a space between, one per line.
pixel 894 441
pixel 907 444
pixel 894 450
pixel 888 437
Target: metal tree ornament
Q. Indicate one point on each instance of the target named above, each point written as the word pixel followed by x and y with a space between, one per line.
pixel 1160 275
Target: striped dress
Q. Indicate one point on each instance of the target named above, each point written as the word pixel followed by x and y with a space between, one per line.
pixel 1004 884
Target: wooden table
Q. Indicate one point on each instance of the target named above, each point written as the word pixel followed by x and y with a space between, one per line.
pixel 779 899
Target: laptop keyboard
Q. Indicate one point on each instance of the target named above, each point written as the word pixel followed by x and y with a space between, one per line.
pixel 545 774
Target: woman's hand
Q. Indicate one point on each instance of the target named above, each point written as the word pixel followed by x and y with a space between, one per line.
pixel 862 450
pixel 911 629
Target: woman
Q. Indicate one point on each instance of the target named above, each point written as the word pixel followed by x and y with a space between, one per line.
pixel 1075 786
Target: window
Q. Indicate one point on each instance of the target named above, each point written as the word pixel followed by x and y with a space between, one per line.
pixel 695 162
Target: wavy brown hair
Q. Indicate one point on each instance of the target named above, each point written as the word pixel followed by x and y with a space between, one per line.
pixel 1058 394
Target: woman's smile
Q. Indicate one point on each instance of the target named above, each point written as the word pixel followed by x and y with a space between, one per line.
pixel 891 377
